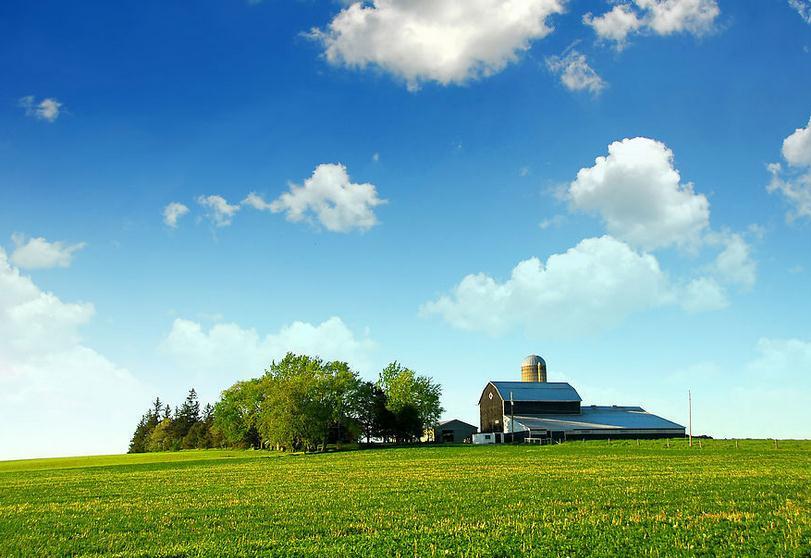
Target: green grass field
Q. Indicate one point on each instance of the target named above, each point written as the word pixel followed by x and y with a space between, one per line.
pixel 574 499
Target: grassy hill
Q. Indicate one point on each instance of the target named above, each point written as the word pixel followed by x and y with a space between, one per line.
pixel 575 499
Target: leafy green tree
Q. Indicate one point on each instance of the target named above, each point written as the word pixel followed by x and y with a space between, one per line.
pixel 307 401
pixel 236 413
pixel 403 387
pixel 196 437
pixel 409 426
pixel 163 437
pixel 374 418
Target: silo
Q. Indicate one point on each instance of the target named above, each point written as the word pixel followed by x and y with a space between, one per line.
pixel 533 369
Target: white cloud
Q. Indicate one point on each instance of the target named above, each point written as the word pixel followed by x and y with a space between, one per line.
pixel 615 25
pixel 220 212
pixel 57 396
pixel 257 202
pixel 47 109
pixel 640 197
pixel 797 147
pixel 795 183
pixel 703 294
pixel 38 253
pixel 588 288
pixel 666 17
pixel 795 189
pixel 637 192
pixel 734 264
pixel 575 72
pixel 229 352
pixel 554 221
pixel 173 212
pixel 659 17
pixel 446 41
pixel 803 8
pixel 328 195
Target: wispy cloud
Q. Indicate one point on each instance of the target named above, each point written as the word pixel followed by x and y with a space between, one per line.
pixel 47 109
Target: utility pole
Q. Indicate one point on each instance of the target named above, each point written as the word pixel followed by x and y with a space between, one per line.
pixel 690 415
pixel 512 419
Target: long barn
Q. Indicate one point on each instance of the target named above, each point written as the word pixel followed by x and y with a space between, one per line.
pixel 534 409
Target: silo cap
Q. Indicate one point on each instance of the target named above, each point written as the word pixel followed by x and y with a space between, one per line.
pixel 533 360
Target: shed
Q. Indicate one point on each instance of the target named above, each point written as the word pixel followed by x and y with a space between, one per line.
pixel 454 430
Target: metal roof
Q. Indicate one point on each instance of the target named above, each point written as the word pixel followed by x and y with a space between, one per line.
pixel 444 422
pixel 600 418
pixel 537 391
pixel 533 360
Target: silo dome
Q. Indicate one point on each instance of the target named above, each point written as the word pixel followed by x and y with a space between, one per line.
pixel 533 360
pixel 533 369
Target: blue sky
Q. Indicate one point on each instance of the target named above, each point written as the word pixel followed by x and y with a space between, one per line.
pixel 438 140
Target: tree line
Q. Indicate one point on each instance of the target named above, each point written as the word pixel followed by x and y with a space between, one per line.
pixel 300 403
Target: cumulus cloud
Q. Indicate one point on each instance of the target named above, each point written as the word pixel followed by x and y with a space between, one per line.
pixel 53 388
pixel 639 195
pixel 47 109
pixel 615 25
pixel 256 201
pixel 38 253
pixel 794 184
pixel 703 294
pixel 219 211
pixel 659 17
pixel 797 147
pixel 734 264
pixel 803 8
pixel 230 352
pixel 173 212
pixel 446 41
pixel 575 73
pixel 330 198
pixel 589 287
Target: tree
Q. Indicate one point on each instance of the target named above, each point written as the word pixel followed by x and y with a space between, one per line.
pixel 148 422
pixel 236 414
pixel 162 437
pixel 403 387
pixel 374 418
pixel 307 400
pixel 188 415
pixel 408 425
pixel 141 435
pixel 196 437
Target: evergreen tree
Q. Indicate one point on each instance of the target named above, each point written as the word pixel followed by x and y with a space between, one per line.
pixel 139 438
pixel 188 415
pixel 155 413
pixel 148 422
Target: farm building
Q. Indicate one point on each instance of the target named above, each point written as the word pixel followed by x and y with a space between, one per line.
pixel 454 430
pixel 536 410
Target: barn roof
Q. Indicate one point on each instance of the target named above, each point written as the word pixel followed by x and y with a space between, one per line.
pixel 461 422
pixel 537 391
pixel 600 418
